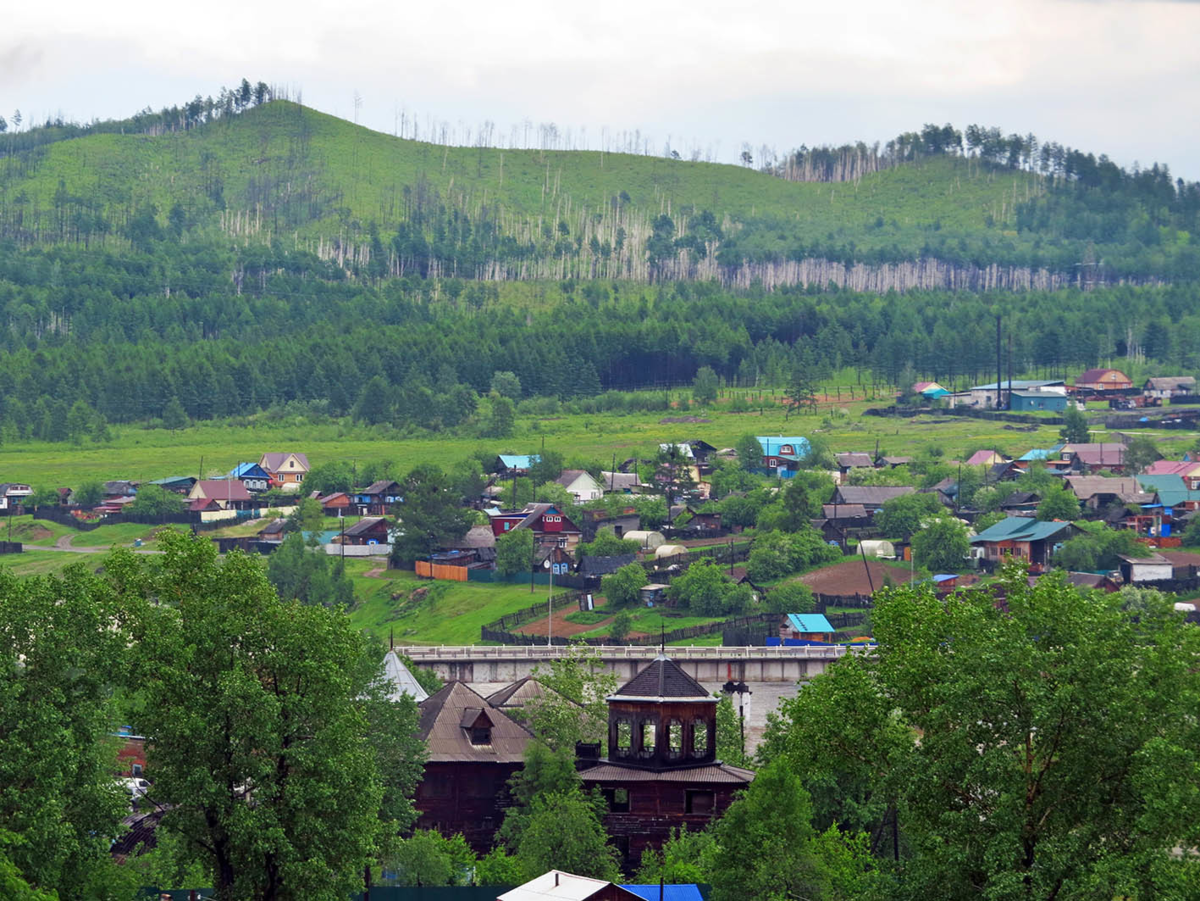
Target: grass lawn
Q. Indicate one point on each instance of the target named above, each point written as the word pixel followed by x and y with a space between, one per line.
pixel 651 622
pixel 40 563
pixel 424 612
pixel 121 534
pixel 33 532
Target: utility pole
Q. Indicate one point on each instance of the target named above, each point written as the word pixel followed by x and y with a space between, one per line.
pixel 999 374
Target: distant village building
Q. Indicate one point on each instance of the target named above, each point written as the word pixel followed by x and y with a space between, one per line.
pixel 1167 387
pixel 287 469
pixel 1103 380
pixel 782 456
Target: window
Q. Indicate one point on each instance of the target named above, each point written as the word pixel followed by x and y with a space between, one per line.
pixel 481 736
pixel 624 736
pixel 136 769
pixel 436 786
pixel 649 733
pixel 674 739
pixel 506 526
pixel 700 801
pixel 618 799
pixel 699 738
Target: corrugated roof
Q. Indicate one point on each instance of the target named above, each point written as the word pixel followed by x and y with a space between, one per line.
pixel 1021 528
pixel 772 443
pixel 1170 489
pixel 708 774
pixel 221 490
pixel 448 742
pixel 603 566
pixel 666 892
pixel 663 678
pixel 844 511
pixel 809 622
pixel 1170 383
pixel 1096 375
pixel 872 495
pixel 854 460
pixel 522 692
pixel 1084 487
pixel 1023 384
pixel 365 525
pixel 400 681
pixel 562 886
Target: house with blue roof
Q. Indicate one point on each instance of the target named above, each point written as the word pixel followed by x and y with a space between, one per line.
pixel 808 627
pixel 252 476
pixel 689 892
pixel 782 455
pixel 1023 538
pixel 515 464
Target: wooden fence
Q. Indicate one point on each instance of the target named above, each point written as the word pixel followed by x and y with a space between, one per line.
pixel 968 412
pixel 443 571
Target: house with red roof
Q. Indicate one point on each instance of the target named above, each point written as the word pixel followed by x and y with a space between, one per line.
pixel 1103 380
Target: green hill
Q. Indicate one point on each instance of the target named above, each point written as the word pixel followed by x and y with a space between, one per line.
pixel 282 172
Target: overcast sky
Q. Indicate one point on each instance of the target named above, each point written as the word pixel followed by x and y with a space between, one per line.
pixel 1115 76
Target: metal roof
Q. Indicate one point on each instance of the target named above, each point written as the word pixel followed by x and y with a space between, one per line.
pixel 663 678
pixel 562 886
pixel 1021 528
pixel 519 461
pixel 809 622
pixel 448 742
pixel 690 892
pixel 400 680
pixel 707 774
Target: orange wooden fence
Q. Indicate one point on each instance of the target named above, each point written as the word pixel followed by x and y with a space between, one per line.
pixel 441 571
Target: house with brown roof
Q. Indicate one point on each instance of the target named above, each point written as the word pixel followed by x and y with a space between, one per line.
pixel 1086 458
pixel 549 524
pixel 662 771
pixel 286 469
pixel 228 494
pixel 1098 492
pixel 473 749
pixel 378 498
pixel 368 530
pixel 1103 380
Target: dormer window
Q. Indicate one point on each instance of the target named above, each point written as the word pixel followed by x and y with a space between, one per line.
pixel 481 736
pixel 478 726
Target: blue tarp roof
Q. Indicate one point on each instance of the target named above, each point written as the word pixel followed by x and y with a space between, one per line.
pixel 519 461
pixel 669 892
pixel 809 622
pixel 1044 453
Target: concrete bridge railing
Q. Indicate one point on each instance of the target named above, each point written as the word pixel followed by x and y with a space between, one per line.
pixel 705 663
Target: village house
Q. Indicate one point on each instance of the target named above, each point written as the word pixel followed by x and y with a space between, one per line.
pixel 1103 380
pixel 580 484
pixel 473 750
pixel 368 530
pixel 848 461
pixel 1085 458
pixel 620 482
pixel 1167 387
pixel 548 523
pixel 1033 400
pixel 929 390
pixel 806 627
pixel 176 484
pixel 593 569
pixel 1152 568
pixel 891 461
pixel 870 497
pixel 13 494
pixel 509 465
pixel 252 475
pixel 287 470
pixel 226 494
pixel 1023 538
pixel 782 456
pixel 985 395
pixel 620 521
pixel 336 504
pixel 378 498
pixel 1188 471
pixel 1095 493
pixel 662 771
pixel 120 488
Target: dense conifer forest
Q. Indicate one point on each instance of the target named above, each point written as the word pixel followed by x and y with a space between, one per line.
pixel 226 256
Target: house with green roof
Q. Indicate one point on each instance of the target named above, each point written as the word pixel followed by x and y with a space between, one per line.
pixel 1023 538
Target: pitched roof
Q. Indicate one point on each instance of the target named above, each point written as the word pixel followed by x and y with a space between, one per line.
pixel 872 495
pixel 272 461
pixel 984 458
pixel 1096 375
pixel 248 470
pixel 854 460
pixel 521 693
pixel 1169 489
pixel 519 461
pixel 1171 467
pixel 809 622
pixel 686 892
pixel 619 481
pixel 561 886
pixel 400 681
pixel 603 566
pixel 383 486
pixel 365 525
pixel 1126 488
pixel 1171 382
pixel 568 476
pixel 1044 453
pixel 772 443
pixel 441 717
pixel 1107 453
pixel 222 489
pixel 1022 384
pixel 663 678
pixel 1021 528
pixel 844 511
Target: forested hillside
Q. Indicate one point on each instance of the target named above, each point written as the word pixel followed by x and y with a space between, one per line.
pixel 217 261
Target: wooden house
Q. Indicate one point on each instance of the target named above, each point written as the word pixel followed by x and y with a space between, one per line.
pixel 849 461
pixel 1167 387
pixel 368 530
pixel 662 771
pixel 870 497
pixel 252 475
pixel 782 456
pixel 13 494
pixel 620 482
pixel 1103 380
pixel 176 484
pixel 286 469
pixel 620 521
pixel 1023 538
pixel 548 523
pixel 1088 458
pixel 337 504
pixel 378 498
pixel 806 627
pixel 473 749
